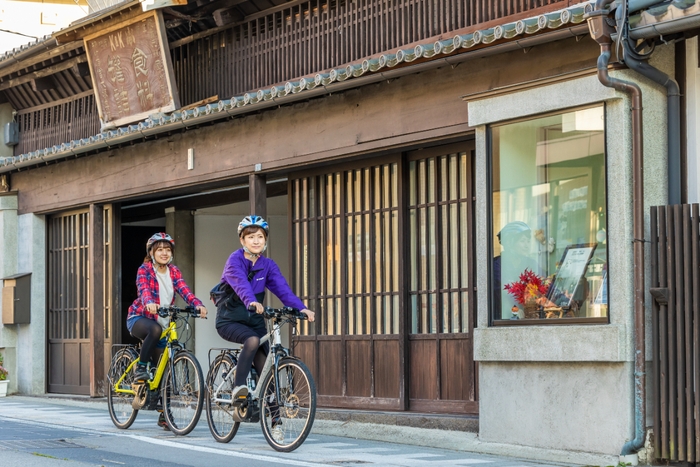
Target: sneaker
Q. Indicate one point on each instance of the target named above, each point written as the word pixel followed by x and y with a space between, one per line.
pixel 240 391
pixel 140 373
pixel 277 434
pixel 162 423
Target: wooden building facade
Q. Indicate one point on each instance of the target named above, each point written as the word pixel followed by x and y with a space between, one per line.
pixel 372 122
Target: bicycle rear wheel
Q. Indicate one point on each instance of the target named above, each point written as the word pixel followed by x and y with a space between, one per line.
pixel 120 409
pixel 286 423
pixel 183 393
pixel 220 413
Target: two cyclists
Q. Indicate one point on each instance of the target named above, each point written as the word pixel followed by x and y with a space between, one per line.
pixel 246 276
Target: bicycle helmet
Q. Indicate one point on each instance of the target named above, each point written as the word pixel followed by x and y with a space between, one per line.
pixel 254 221
pixel 512 229
pixel 159 237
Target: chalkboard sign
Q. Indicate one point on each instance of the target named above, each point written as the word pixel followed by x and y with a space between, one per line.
pixel 572 269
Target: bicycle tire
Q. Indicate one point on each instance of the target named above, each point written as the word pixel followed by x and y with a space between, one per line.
pixel 219 414
pixel 120 409
pixel 182 404
pixel 297 410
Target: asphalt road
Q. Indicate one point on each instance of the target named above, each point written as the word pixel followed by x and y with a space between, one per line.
pixel 41 432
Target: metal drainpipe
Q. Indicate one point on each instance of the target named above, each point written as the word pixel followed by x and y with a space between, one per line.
pixel 601 32
pixel 673 129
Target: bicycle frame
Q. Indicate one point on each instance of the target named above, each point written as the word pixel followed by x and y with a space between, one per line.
pixel 171 333
pixel 273 358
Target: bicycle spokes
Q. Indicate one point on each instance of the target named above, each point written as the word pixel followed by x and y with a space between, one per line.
pixel 183 393
pixel 289 406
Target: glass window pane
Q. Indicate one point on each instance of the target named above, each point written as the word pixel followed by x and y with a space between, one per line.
pixel 412 174
pixel 413 221
pixel 432 248
pixel 549 217
pixel 394 185
pixel 445 176
pixel 351 256
pixel 453 176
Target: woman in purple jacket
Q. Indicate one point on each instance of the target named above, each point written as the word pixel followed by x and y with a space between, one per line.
pixel 249 274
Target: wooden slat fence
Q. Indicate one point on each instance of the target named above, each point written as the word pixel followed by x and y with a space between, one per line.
pixel 675 289
pixel 55 124
pixel 315 35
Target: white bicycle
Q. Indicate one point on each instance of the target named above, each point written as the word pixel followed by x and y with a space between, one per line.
pixel 285 392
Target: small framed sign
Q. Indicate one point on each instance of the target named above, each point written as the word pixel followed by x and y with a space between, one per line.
pixel 572 270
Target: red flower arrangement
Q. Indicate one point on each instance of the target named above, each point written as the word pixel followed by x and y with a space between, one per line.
pixel 529 288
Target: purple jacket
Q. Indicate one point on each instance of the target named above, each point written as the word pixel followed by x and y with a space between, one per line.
pixel 265 274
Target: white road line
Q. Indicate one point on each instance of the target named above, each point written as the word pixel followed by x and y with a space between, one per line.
pixel 189 447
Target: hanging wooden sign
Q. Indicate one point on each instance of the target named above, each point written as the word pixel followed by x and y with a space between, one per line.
pixel 131 70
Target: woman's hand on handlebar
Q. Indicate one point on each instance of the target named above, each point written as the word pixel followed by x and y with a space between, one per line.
pixel 309 314
pixel 152 308
pixel 202 311
pixel 259 309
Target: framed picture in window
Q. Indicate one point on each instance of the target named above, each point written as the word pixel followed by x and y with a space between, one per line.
pixel 571 274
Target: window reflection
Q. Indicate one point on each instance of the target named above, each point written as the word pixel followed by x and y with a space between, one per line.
pixel 549 217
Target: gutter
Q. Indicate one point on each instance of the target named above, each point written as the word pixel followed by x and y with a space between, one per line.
pixel 303 89
pixel 601 31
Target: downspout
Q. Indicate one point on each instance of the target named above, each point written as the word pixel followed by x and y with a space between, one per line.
pixel 673 129
pixel 601 32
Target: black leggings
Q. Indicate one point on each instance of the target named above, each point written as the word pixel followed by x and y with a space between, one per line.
pixel 149 332
pixel 251 354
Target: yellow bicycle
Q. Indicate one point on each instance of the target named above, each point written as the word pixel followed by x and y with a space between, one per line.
pixel 177 383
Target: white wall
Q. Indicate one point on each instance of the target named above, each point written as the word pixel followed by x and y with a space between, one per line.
pixel 215 238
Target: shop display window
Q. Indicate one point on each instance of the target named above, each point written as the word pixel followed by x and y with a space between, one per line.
pixel 549 219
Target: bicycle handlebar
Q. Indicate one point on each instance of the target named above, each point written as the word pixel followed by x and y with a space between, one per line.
pixel 165 311
pixel 270 312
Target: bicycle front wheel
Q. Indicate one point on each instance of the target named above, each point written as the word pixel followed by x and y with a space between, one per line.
pixel 119 403
pixel 183 393
pixel 219 394
pixel 287 422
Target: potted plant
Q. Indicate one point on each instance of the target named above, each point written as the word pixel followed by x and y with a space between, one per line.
pixel 4 382
pixel 530 293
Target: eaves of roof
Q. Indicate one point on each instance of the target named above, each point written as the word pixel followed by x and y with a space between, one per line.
pixel 27 50
pixel 665 18
pixel 522 34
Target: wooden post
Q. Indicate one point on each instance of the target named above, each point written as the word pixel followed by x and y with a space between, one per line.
pixel 180 226
pixel 258 194
pixel 96 299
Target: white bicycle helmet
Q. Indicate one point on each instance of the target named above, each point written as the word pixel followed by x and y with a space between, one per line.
pixel 256 221
pixel 159 237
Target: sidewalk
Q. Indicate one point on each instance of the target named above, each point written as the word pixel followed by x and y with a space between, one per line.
pixel 412 429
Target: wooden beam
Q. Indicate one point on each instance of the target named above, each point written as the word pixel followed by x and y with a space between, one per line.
pixel 226 16
pixel 42 57
pixel 257 184
pixel 96 259
pixel 97 25
pixel 42 73
pixel 81 69
pixel 54 103
pixel 42 84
